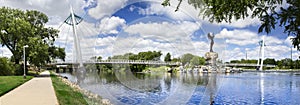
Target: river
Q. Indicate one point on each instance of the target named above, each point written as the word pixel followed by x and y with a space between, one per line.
pixel 125 87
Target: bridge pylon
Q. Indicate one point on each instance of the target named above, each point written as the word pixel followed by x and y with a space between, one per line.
pixel 261 54
pixel 74 20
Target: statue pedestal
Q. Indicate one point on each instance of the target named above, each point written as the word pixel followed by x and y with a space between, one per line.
pixel 211 59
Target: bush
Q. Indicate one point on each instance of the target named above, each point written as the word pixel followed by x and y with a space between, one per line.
pixel 6 67
pixel 19 69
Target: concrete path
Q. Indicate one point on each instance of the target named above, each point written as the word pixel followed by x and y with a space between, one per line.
pixel 37 91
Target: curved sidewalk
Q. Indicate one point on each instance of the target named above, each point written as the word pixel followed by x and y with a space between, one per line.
pixel 37 91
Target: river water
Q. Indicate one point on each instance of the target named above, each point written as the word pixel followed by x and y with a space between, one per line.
pixel 251 88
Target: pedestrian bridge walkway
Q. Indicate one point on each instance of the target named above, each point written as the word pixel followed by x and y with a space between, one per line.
pixel 151 62
pixel 121 61
pixel 245 65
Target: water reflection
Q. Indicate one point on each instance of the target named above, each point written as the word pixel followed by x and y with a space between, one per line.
pixel 124 87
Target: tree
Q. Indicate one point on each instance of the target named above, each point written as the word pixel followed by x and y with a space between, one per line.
pixel 176 60
pixel 270 61
pixel 149 55
pixel 196 60
pixel 186 58
pixel 265 10
pixel 19 28
pixel 99 58
pixel 168 57
pixel 6 67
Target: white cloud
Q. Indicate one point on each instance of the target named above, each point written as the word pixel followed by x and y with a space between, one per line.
pixel 106 8
pixel 270 40
pixel 87 34
pixel 238 37
pixel 188 12
pixel 163 31
pixel 109 25
pixel 135 45
pixel 57 11
pixel 241 23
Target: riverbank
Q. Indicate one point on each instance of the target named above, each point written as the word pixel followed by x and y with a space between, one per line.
pixel 8 83
pixel 69 93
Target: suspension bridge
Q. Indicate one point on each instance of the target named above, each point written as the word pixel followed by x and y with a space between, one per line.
pixel 73 20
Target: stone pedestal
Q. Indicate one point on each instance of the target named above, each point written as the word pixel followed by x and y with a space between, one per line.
pixel 211 59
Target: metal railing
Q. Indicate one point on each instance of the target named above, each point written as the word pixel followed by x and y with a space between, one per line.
pixel 120 61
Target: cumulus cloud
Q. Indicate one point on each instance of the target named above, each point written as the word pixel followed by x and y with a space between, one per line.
pixel 238 37
pixel 163 31
pixel 106 8
pixel 188 12
pixel 241 23
pixel 57 11
pixel 110 25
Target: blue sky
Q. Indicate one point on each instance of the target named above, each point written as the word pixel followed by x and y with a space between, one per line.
pixel 114 27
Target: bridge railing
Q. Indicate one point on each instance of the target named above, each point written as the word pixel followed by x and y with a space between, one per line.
pixel 239 64
pixel 126 61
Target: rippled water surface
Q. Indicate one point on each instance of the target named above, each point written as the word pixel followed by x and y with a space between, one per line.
pixel 192 88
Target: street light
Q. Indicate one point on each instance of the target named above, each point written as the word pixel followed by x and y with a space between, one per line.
pixel 24 60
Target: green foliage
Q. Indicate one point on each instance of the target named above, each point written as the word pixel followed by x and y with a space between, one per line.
pixel 168 57
pixel 176 60
pixel 186 58
pixel 193 60
pixel 6 67
pixel 19 28
pixel 265 10
pixel 196 60
pixel 149 55
pixel 8 83
pixel 248 61
pixel 270 61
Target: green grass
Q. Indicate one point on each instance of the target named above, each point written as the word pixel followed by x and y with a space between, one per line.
pixel 8 83
pixel 65 94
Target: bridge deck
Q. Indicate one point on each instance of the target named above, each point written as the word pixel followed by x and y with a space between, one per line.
pixel 145 62
pixel 148 62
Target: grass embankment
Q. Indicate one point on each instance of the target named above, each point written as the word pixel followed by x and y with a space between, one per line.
pixel 65 94
pixel 8 83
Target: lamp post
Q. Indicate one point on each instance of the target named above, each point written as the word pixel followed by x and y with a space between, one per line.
pixel 24 60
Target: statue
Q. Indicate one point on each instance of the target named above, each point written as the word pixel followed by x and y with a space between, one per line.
pixel 211 37
pixel 211 56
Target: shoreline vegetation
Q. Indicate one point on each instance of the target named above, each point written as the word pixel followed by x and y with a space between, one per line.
pixel 8 83
pixel 69 93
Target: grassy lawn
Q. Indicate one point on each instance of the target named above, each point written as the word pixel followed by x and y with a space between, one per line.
pixel 8 83
pixel 66 95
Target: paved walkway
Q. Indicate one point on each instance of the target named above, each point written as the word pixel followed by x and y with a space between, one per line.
pixel 37 91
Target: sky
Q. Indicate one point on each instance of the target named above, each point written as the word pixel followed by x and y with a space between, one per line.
pixel 114 27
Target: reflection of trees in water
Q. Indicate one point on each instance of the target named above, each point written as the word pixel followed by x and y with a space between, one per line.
pixel 139 81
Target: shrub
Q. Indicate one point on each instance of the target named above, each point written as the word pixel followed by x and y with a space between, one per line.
pixel 6 67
